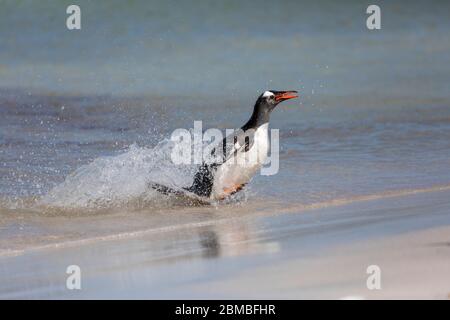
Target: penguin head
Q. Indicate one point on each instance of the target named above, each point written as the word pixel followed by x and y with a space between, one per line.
pixel 268 100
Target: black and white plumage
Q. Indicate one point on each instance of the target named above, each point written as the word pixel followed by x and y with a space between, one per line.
pixel 240 155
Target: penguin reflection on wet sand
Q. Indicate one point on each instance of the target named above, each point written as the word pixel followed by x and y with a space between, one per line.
pixel 231 170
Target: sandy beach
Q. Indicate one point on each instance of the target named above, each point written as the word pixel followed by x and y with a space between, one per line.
pixel 317 253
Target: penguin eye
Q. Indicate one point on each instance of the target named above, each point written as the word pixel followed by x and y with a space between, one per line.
pixel 272 97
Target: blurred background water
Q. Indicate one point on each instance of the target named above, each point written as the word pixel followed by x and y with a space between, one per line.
pixel 373 116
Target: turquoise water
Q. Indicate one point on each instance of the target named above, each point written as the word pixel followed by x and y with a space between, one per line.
pixel 228 48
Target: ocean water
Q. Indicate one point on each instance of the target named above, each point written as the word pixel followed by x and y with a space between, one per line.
pixel 86 115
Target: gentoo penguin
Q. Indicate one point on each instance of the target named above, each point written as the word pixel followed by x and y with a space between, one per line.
pixel 240 155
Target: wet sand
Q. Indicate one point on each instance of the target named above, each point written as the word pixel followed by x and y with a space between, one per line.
pixel 315 253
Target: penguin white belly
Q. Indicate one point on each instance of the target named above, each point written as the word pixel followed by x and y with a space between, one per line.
pixel 239 169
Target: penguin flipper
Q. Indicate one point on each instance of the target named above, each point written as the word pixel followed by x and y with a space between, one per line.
pixel 183 194
pixel 165 189
pixel 237 141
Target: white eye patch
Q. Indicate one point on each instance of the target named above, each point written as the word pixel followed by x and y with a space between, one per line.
pixel 268 94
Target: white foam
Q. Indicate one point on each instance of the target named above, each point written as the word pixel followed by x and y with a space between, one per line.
pixel 115 180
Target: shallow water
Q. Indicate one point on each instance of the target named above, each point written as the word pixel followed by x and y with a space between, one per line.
pixel 204 253
pixel 86 116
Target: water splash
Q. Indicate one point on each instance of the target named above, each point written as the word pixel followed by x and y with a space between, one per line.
pixel 123 179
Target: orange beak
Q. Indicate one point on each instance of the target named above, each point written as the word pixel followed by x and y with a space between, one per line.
pixel 286 95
